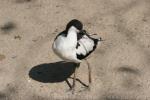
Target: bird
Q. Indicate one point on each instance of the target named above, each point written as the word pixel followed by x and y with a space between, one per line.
pixel 75 44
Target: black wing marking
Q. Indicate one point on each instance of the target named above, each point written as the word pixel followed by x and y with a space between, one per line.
pixel 63 33
pixel 77 45
pixel 81 34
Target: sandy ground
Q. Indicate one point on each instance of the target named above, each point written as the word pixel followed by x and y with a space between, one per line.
pixel 29 70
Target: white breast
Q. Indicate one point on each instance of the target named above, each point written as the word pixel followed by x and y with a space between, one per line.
pixel 65 47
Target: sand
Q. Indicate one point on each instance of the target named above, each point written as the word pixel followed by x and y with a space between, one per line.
pixel 29 70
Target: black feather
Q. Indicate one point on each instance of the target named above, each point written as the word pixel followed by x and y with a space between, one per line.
pixel 77 45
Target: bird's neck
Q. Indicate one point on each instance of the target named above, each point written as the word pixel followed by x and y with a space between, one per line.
pixel 72 34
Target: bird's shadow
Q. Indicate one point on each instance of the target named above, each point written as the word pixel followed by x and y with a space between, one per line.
pixel 52 72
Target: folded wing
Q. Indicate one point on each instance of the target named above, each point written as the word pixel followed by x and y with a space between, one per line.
pixel 85 46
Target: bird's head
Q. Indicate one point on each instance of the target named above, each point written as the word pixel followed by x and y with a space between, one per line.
pixel 75 24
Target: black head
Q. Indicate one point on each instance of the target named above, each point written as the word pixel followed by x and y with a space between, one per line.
pixel 76 23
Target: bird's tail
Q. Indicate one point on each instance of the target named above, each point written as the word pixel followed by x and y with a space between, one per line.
pixel 100 39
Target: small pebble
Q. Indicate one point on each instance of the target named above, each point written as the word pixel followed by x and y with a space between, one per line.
pixel 2 57
pixel 13 57
pixel 22 1
pixel 8 26
pixel 29 80
pixel 17 37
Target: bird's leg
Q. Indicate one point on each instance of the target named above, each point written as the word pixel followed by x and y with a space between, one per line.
pixel 74 79
pixel 74 82
pixel 68 84
pixel 89 73
pixel 80 82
